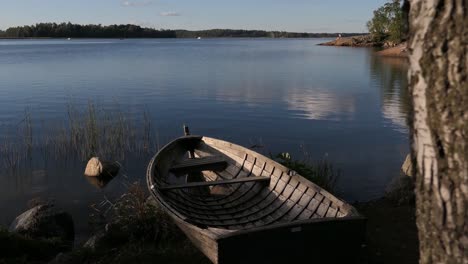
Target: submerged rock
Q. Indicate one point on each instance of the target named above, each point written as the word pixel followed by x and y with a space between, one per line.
pixel 45 221
pixel 99 181
pixel 98 168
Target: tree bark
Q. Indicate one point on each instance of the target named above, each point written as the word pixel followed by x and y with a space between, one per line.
pixel 438 84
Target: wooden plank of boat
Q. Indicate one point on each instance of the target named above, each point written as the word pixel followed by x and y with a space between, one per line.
pixel 206 163
pixel 265 208
pixel 213 183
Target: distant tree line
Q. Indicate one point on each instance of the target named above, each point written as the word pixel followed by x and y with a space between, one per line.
pixel 240 33
pixel 69 30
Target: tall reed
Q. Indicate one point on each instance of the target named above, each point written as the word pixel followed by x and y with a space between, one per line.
pixel 85 132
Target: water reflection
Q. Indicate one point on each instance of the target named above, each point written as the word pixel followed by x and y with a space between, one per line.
pixel 320 104
pixel 233 89
pixel 390 74
pixel 99 182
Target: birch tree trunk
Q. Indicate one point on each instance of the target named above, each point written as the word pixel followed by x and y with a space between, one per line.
pixel 438 84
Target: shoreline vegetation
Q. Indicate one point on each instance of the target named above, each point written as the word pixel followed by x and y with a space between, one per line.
pixel 133 228
pixel 69 30
pixel 387 29
pixel 389 49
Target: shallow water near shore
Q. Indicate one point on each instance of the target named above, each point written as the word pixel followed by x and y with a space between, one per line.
pixel 282 95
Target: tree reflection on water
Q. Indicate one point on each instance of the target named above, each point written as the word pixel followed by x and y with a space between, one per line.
pixel 390 74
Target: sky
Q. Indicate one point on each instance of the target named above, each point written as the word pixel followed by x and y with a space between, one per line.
pixel 283 15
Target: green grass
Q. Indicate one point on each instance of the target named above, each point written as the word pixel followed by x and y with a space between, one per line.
pixel 320 172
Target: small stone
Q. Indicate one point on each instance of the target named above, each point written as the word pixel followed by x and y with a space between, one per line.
pixel 97 168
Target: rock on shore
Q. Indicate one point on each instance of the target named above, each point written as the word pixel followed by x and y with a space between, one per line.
pixel 357 41
pixel 390 50
pixel 45 221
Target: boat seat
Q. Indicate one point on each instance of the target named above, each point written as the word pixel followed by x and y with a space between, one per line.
pixel 260 179
pixel 214 163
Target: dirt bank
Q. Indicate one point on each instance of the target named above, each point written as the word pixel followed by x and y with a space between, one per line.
pixel 400 51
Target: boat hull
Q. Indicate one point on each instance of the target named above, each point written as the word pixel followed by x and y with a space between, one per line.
pixel 267 213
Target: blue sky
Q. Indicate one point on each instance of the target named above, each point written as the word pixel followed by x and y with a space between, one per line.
pixel 288 15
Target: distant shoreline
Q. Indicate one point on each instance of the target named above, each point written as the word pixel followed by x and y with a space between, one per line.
pixel 69 30
pixel 224 37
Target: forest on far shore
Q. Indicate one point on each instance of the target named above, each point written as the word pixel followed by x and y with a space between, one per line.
pixel 69 30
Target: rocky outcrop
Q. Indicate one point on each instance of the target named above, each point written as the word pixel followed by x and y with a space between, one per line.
pixel 43 222
pixel 357 41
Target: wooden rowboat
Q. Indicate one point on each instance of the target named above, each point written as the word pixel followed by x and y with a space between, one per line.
pixel 238 206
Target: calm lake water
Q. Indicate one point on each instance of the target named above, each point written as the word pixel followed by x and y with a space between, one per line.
pixel 288 95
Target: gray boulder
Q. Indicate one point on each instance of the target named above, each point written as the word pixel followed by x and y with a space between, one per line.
pixel 45 221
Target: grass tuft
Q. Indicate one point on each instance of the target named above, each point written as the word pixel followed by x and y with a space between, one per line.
pixel 321 172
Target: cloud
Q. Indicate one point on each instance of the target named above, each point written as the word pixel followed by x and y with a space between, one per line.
pixel 320 104
pixel 136 3
pixel 169 14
